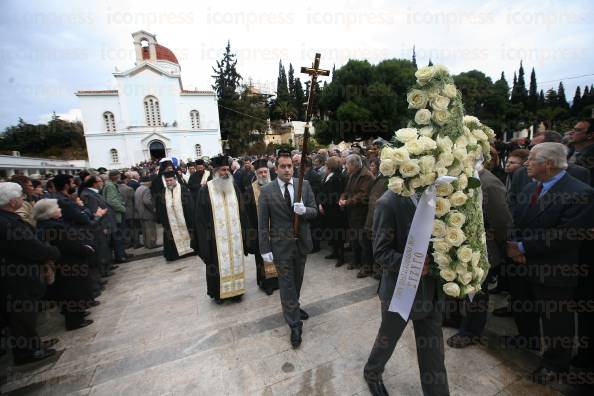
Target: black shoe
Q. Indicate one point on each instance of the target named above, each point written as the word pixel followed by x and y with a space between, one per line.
pixel 129 255
pixel 114 267
pixel 96 294
pixel 103 282
pixel 79 325
pixel 36 356
pixel 85 314
pixel 296 336
pixel 350 267
pixel 47 344
pixel 107 274
pixel 121 260
pixel 503 312
pixel 218 301
pixel 377 388
pixel 363 274
pixel 544 376
pixel 331 256
pixel 268 292
pixel 93 303
pixel 304 315
pixel 339 263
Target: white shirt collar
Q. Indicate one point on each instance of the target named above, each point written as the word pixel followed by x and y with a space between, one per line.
pixel 94 189
pixel 281 183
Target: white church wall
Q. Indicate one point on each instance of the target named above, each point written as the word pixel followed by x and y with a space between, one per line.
pixel 92 109
pixel 207 108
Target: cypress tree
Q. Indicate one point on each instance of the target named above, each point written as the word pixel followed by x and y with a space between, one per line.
pixel 541 98
pixel 532 91
pixel 291 82
pixel 430 63
pixel 282 91
pixel 414 58
pixel 299 100
pixel 562 100
pixel 577 97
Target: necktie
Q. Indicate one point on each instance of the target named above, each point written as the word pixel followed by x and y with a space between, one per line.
pixel 288 198
pixel 535 194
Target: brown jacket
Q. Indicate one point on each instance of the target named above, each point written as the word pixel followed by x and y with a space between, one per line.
pixel 356 194
pixel 379 187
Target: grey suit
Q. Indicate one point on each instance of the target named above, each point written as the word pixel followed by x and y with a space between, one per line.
pixel 391 224
pixel 275 232
pixel 144 211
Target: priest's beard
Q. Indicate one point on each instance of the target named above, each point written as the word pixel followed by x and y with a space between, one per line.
pixel 263 180
pixel 223 185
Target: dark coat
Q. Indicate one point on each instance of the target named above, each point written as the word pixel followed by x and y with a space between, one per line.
pixel 520 179
pixel 73 282
pixel 379 187
pixel 585 158
pixel 552 231
pixel 334 219
pixel 391 222
pixel 21 257
pixel 356 194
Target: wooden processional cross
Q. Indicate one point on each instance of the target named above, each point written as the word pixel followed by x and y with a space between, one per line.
pixel 314 71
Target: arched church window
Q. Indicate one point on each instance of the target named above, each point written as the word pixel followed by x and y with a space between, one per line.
pixel 109 120
pixel 115 158
pixel 195 118
pixel 198 149
pixel 152 111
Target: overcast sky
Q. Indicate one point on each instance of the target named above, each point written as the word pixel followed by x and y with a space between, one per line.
pixel 50 49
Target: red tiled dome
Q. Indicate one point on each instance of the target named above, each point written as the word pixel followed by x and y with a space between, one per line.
pixel 163 53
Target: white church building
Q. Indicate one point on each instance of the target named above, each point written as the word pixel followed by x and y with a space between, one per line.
pixel 150 115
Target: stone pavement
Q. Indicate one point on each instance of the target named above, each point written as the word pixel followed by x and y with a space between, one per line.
pixel 157 333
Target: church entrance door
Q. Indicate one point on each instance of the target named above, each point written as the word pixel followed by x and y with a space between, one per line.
pixel 157 150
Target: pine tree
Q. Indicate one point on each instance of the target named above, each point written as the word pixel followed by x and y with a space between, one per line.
pixel 577 97
pixel 333 72
pixel 282 91
pixel 291 82
pixel 299 100
pixel 586 92
pixel 414 58
pixel 430 63
pixel 551 98
pixel 227 82
pixel 532 92
pixel 519 93
pixel 562 100
pixel 513 97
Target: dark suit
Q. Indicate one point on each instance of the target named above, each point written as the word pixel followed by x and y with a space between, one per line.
pixel 275 232
pixel 551 231
pixel 392 219
pixel 105 227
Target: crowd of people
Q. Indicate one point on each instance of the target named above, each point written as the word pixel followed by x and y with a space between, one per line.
pixel 63 236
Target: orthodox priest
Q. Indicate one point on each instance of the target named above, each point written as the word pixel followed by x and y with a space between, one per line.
pixel 266 275
pixel 198 178
pixel 220 226
pixel 174 209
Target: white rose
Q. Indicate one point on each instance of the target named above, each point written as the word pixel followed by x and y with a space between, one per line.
pixel 399 155
pixel 440 103
pixel 387 167
pixel 414 147
pixel 451 289
pixel 458 198
pixel 441 70
pixel 428 178
pixel 471 120
pixel 444 189
pixel 415 183
pixel 465 278
pixel 426 131
pixel 386 153
pixel 406 192
pixel 454 236
pixel 472 140
pixel 490 133
pixel 461 268
pixel 469 171
pixel 441 246
pixel 423 117
pixel 440 117
pixel 470 193
pixel 449 90
pixel 396 184
pixel 406 134
pixel 456 219
pixel 464 254
pixel 462 182
pixel 446 159
pixel 417 99
pixel 424 75
pixel 478 274
pixel 476 258
pixel 440 170
pixel 461 141
pixel 444 143
pixel 410 168
pixel 447 274
pixel 479 134
pixel 441 259
pixel 428 143
pixel 427 163
pixel 439 228
pixel 455 170
pixel 442 206
pixel 467 289
pixel 460 153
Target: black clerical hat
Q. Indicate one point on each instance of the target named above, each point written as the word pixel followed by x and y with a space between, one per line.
pixel 261 163
pixel 169 174
pixel 199 162
pixel 220 160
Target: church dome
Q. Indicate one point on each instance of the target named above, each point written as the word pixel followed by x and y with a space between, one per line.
pixel 163 53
